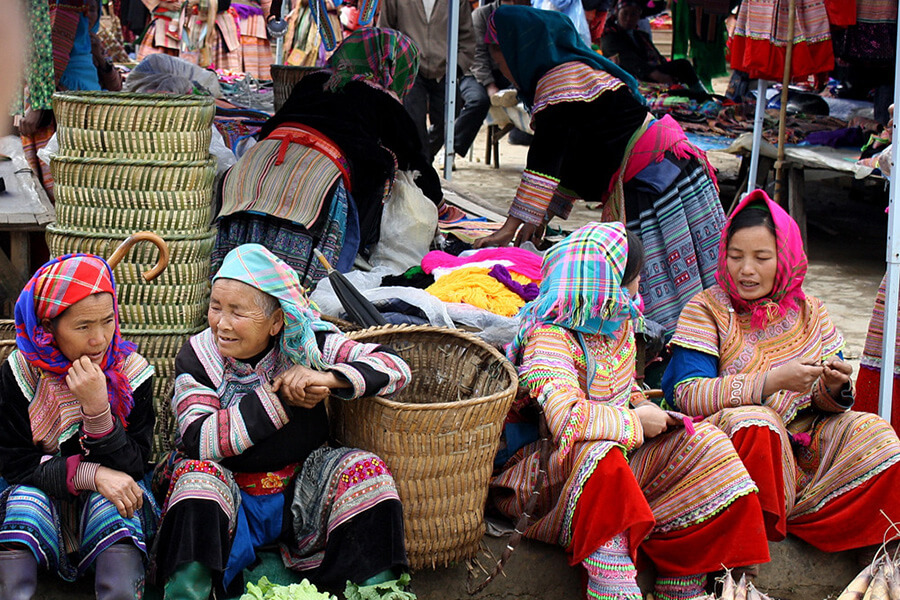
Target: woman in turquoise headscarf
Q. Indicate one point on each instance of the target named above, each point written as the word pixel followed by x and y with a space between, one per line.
pixel 595 140
pixel 252 467
pixel 626 480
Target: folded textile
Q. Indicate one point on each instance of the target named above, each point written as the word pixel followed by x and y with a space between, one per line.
pixel 474 286
pixel 527 292
pixel 516 260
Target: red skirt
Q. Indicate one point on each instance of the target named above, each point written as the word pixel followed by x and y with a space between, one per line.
pixel 612 502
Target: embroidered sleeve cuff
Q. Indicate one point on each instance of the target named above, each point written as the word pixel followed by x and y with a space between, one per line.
pixel 97 426
pixel 562 203
pixel 357 382
pixel 84 476
pixel 634 431
pixel 824 401
pixel 533 197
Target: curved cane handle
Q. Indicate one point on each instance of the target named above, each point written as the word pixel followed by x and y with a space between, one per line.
pixel 143 236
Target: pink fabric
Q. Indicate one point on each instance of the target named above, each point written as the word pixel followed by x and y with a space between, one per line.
pixel 661 136
pixel 523 262
pixel 792 263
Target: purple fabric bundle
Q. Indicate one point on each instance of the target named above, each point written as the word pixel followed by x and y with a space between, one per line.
pixel 527 292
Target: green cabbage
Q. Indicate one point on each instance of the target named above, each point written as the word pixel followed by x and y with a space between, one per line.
pixel 266 590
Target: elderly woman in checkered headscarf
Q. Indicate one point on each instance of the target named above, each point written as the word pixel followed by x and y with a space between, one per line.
pixel 251 467
pixel 75 437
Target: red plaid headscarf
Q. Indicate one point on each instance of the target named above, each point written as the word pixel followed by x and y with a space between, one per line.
pixel 56 286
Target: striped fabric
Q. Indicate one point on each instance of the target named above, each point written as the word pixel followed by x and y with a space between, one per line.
pixel 876 11
pixel 67 536
pixel 533 197
pixel 54 412
pixel 572 82
pixel 846 449
pixel 872 353
pixel 224 431
pixel 282 179
pixel 611 572
pixel 708 324
pixel 761 38
pixel 687 478
pixel 335 485
pixel 680 232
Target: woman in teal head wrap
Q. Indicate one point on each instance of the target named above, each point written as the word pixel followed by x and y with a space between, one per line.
pixel 595 139
pixel 624 477
pixel 251 465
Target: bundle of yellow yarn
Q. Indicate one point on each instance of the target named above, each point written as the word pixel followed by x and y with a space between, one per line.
pixel 474 286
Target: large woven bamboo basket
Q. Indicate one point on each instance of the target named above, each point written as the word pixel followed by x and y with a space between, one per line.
pixel 185 250
pixel 129 174
pixel 125 111
pixel 108 219
pixel 439 435
pixel 141 145
pixel 7 338
pixel 284 78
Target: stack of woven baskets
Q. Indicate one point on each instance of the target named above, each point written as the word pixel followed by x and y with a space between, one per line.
pixel 130 162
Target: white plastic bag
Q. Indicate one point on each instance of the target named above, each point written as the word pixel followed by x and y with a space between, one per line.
pixel 408 225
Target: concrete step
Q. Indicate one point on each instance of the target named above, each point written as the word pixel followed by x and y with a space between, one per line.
pixel 538 571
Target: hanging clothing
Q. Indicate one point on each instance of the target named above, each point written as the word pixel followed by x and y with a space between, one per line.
pixel 760 39
pixel 868 381
pixel 824 472
pixel 256 52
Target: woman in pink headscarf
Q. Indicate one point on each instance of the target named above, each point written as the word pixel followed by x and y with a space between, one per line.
pixel 762 361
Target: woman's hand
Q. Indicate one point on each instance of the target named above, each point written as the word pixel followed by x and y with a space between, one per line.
pixel 654 420
pixel 795 376
pixel 87 382
pixel 120 489
pixel 502 236
pixel 305 387
pixel 835 375
pixel 31 122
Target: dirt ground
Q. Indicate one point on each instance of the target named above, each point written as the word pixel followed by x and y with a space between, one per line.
pixel 846 220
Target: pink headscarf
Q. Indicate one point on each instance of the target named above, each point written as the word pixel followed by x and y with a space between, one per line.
pixel 787 292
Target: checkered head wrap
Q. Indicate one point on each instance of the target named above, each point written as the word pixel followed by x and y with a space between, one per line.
pixel 256 266
pixel 56 286
pixel 384 58
pixel 582 286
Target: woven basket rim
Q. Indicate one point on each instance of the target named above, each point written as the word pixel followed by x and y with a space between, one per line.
pixel 55 229
pixel 135 162
pixel 135 99
pixel 375 332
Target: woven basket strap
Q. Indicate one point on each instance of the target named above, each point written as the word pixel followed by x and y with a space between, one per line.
pixel 525 520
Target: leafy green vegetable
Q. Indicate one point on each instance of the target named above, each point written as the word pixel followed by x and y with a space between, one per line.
pixel 389 590
pixel 266 590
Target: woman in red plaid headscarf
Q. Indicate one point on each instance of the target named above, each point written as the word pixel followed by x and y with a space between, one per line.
pixel 75 438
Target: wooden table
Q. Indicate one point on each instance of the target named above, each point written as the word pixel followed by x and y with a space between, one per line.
pixel 24 208
pixel 835 162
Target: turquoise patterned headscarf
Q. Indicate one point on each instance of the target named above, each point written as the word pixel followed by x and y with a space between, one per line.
pixel 582 286
pixel 256 266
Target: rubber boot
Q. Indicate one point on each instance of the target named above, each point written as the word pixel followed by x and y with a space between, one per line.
pixel 119 573
pixel 18 574
pixel 190 581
